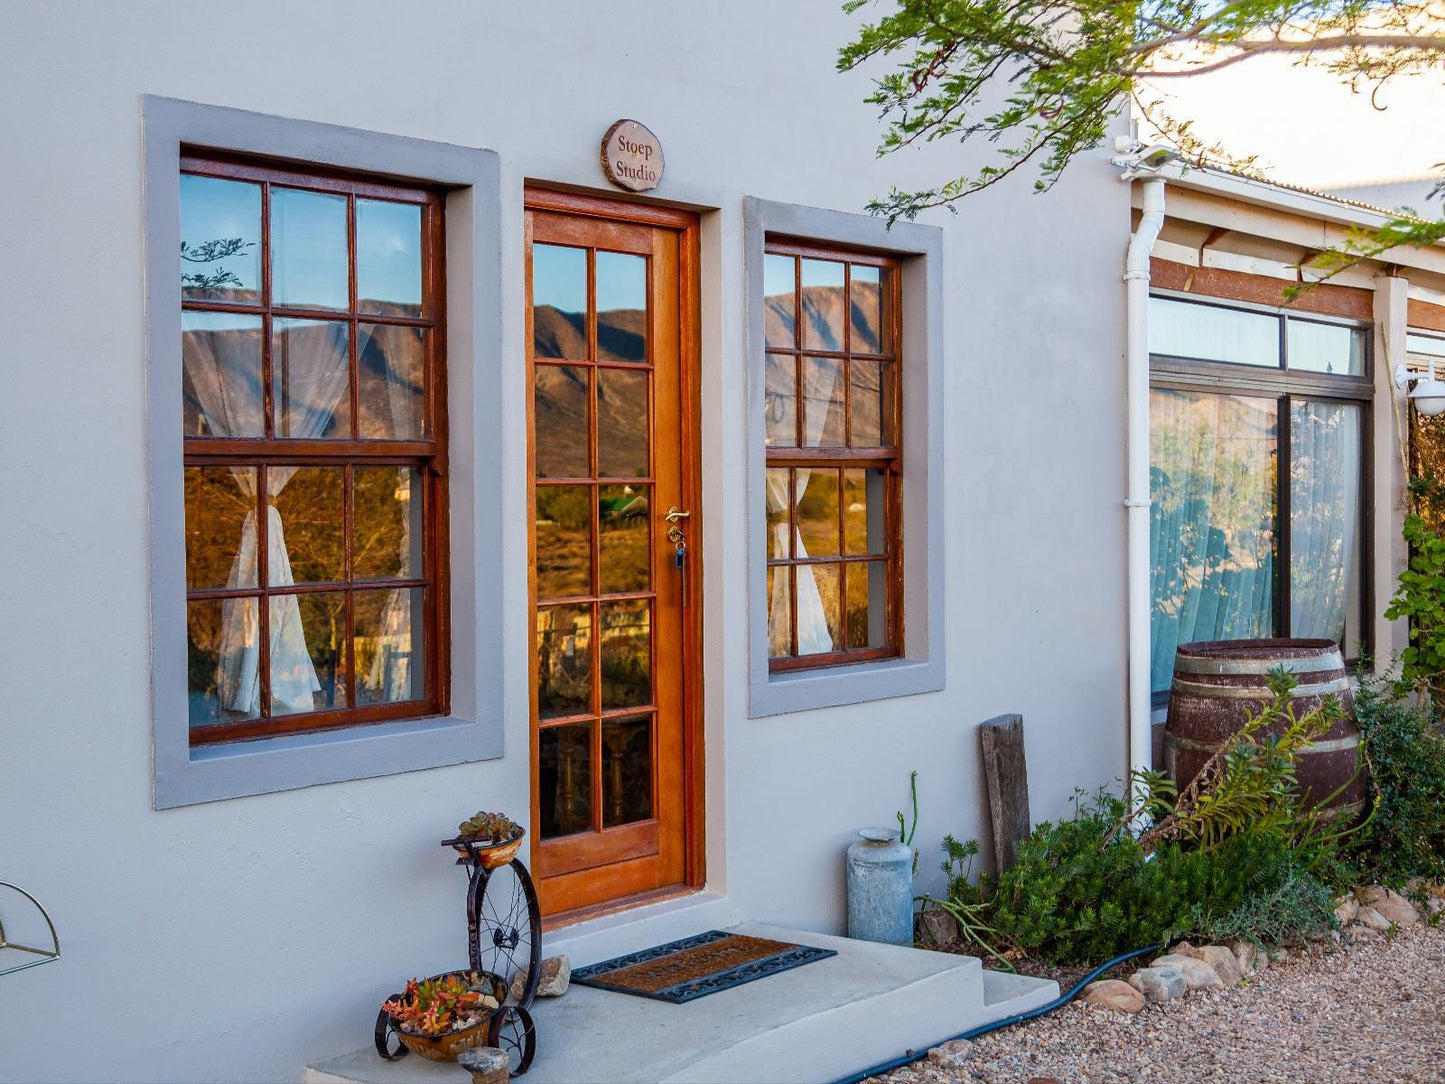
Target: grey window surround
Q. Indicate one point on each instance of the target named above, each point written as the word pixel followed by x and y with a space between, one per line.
pixel 473 731
pixel 921 668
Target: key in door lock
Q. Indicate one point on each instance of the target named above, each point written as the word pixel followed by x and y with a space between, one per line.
pixel 674 517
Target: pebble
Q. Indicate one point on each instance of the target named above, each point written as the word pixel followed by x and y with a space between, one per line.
pixel 954 1054
pixel 1325 1017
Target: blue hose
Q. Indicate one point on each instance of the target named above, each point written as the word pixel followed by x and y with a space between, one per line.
pixel 1008 1021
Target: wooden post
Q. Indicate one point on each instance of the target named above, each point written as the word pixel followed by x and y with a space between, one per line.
pixel 1007 776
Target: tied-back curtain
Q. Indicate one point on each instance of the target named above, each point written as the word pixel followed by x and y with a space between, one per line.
pixel 230 401
pixel 1324 515
pixel 1212 515
pixel 813 635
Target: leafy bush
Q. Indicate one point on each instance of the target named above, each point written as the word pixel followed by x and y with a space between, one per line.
pixel 1420 597
pixel 1073 898
pixel 1296 908
pixel 1406 760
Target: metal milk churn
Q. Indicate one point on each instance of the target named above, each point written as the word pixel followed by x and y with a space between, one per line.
pixel 880 888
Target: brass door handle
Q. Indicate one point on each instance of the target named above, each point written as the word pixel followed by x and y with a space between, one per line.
pixel 674 514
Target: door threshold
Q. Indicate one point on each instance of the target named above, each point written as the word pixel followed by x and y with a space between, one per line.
pixel 612 907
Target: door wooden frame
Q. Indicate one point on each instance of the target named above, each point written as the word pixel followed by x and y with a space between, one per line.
pixel 686 223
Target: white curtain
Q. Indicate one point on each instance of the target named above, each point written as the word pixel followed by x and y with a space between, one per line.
pixel 389 677
pixel 1211 520
pixel 314 388
pixel 1324 515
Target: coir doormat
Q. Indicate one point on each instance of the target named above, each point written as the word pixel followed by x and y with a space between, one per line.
pixel 694 967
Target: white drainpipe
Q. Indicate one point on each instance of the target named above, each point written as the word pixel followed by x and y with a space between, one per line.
pixel 1136 279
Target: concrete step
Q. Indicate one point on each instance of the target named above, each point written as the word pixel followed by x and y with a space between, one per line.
pixel 818 1022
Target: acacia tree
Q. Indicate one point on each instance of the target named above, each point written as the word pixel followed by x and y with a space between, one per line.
pixel 1068 67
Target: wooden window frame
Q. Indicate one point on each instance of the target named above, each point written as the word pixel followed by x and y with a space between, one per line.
pixel 428 455
pixel 886 458
pixel 1287 385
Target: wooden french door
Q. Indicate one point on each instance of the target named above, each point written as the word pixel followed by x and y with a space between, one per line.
pixel 614 587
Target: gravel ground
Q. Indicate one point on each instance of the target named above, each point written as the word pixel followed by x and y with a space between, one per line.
pixel 1375 1013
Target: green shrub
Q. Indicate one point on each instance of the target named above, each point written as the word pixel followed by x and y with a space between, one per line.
pixel 1296 908
pixel 1406 759
pixel 1072 898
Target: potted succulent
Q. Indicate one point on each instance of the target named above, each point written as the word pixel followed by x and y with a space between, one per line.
pixel 492 839
pixel 439 1017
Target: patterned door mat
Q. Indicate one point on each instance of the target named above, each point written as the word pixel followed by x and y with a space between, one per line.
pixel 694 967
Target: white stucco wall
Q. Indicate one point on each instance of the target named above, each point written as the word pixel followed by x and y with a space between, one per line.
pixel 241 939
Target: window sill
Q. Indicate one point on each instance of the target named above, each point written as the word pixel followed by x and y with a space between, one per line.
pixel 847 683
pixel 209 773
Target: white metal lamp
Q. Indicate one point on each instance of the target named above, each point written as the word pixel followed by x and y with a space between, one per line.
pixel 1428 394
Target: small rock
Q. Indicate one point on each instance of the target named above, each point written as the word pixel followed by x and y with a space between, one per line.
pixel 1159 983
pixel 1279 954
pixel 954 1054
pixel 1358 932
pixel 937 927
pixel 1435 904
pixel 1114 994
pixel 487 1064
pixel 1198 975
pixel 1397 909
pixel 1226 966
pixel 1346 907
pixel 552 982
pixel 1371 919
pixel 1246 954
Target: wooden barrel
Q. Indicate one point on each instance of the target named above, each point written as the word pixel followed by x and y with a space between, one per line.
pixel 1217 681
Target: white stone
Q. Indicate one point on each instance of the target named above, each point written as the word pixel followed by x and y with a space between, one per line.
pixel 1397 909
pixel 1198 975
pixel 1371 919
pixel 553 981
pixel 1226 966
pixel 1160 983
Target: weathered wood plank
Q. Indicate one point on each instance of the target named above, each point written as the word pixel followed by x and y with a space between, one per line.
pixel 1007 776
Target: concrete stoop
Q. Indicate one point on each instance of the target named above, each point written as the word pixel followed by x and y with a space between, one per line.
pixel 818 1022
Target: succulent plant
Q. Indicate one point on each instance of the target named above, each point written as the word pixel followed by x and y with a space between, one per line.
pixel 445 1003
pixel 489 827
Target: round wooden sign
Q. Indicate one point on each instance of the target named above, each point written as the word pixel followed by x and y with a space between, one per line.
pixel 632 156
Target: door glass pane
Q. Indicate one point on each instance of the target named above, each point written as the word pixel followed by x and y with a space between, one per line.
pixel 220 240
pixel 868 332
pixel 822 402
pixel 564 541
pixel 560 421
pixel 559 302
pixel 621 307
pixel 310 377
pixel 1325 348
pixel 624 542
pixel 386 523
pixel 309 251
pixel 223 390
pixel 1182 329
pixel 817 498
pixel 622 424
pixel 626 770
pixel 867 604
pixel 306 539
pixel 391 382
pixel 779 545
pixel 564 779
pixel 221 660
pixel 780 612
pixel 220 527
pixel 820 611
pixel 864 507
pixel 780 301
pixel 823 305
pixel 388 257
pixel 1212 520
pixel 388 645
pixel 867 402
pixel 564 660
pixel 626 653
pixel 1324 509
pixel 308 652
pixel 780 400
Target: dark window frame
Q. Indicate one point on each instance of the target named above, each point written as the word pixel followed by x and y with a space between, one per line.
pixel 1287 385
pixel 428 455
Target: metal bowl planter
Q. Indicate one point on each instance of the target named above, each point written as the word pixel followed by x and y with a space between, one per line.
pixel 488 853
pixel 444 1047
